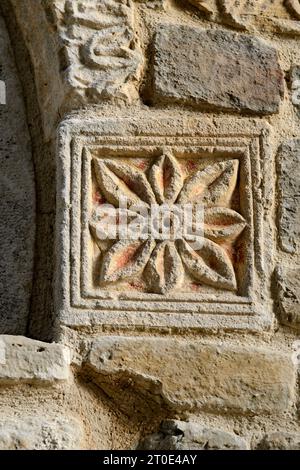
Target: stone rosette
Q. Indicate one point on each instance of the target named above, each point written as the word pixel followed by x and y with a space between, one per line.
pixel 163 284
pixel 162 263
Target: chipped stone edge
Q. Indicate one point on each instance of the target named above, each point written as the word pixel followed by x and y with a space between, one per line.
pixel 39 377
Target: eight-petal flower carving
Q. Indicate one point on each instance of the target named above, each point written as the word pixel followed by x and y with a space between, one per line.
pixel 164 264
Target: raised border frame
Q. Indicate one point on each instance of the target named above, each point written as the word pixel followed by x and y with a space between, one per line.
pixel 77 306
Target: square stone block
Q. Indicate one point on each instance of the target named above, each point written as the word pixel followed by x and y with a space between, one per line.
pixel 153 281
pixel 241 73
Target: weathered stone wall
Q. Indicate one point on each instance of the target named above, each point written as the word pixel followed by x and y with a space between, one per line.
pixel 158 344
pixel 17 199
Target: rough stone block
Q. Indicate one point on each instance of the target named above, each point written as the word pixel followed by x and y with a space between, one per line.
pixel 40 433
pixel 28 361
pixel 215 70
pixel 288 282
pixel 180 435
pixel 288 163
pixel 193 374
pixel 280 441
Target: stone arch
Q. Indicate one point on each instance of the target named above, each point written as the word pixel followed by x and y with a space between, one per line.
pixel 60 74
pixel 35 155
pixel 17 198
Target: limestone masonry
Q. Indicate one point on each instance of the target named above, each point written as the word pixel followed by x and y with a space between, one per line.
pixel 150 342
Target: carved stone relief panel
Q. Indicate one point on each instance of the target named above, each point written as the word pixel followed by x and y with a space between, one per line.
pixel 281 16
pixel 100 56
pixel 147 279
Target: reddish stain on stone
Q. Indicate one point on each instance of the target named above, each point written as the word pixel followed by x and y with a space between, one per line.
pixel 136 285
pixel 230 250
pixel 142 165
pixel 191 165
pixel 98 198
pixel 127 257
pixel 195 287
pixel 240 254
pixel 167 176
pixel 129 183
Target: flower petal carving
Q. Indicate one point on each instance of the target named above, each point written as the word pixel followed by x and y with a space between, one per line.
pixel 125 259
pixel 209 264
pixel 135 179
pixel 164 271
pixel 212 186
pixel 102 244
pixel 164 264
pixel 118 180
pixel 221 223
pixel 166 179
pixel 111 223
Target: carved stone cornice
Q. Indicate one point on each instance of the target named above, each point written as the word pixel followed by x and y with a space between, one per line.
pixel 279 16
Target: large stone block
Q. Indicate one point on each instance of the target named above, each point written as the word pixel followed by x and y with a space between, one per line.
pixel 180 435
pixel 288 163
pixel 40 433
pixel 23 360
pixel 215 70
pixel 187 375
pixel 280 441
